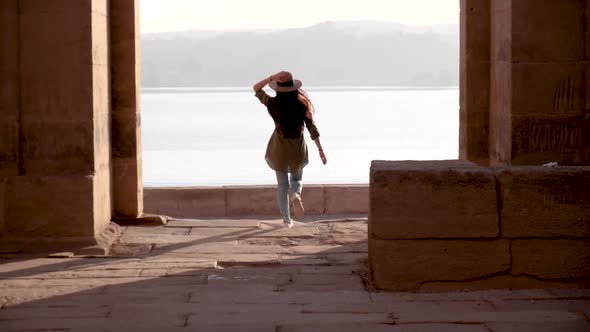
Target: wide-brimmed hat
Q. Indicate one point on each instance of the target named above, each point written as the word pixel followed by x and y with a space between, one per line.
pixel 287 84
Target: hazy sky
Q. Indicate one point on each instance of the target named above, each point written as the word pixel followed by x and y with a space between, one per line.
pixel 175 15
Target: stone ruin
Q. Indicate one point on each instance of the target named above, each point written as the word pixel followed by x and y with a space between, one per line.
pixel 70 146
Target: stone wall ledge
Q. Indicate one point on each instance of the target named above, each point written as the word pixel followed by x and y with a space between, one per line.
pixel 257 200
pixel 454 225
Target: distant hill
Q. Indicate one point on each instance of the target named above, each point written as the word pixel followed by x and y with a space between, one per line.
pixel 329 53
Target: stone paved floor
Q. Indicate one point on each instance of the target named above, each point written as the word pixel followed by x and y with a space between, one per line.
pixel 254 275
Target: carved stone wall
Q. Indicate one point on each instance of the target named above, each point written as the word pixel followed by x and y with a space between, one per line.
pixel 56 146
pixel 534 57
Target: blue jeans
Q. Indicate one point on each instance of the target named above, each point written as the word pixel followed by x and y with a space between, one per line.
pixel 283 184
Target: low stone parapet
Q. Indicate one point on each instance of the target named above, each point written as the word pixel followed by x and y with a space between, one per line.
pixel 450 225
pixel 228 201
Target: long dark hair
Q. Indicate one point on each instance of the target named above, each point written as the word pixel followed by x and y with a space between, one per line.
pixel 296 100
pixel 292 109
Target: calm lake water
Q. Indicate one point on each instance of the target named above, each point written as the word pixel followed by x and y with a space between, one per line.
pixel 218 136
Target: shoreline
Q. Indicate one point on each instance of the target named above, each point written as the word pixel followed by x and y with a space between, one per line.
pixel 222 89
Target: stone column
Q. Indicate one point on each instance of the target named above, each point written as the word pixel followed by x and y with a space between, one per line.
pixel 538 83
pixel 500 141
pixel 58 125
pixel 9 98
pixel 474 81
pixel 125 87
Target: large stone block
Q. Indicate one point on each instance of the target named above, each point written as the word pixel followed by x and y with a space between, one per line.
pixel 551 259
pixel 50 206
pixel 125 45
pixel 57 84
pixel 548 30
pixel 343 199
pixel 545 202
pixel 185 202
pixel 476 32
pixel 404 265
pixel 251 200
pixel 477 80
pixel 127 187
pixel 314 199
pixel 474 134
pixel 125 128
pixel 58 147
pixel 432 199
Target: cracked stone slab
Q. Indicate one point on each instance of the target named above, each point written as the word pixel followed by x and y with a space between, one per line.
pixel 242 259
pixel 80 282
pixel 281 314
pixel 339 327
pixel 218 223
pixel 27 313
pixel 130 295
pixel 178 272
pixel 224 278
pixel 130 323
pixel 406 264
pixel 196 236
pixel 139 230
pixel 336 249
pixel 38 295
pixel 130 249
pixel 327 271
pixel 579 326
pixel 269 293
pixel 238 293
pixel 81 274
pixel 324 259
pixel 486 295
pixel 295 232
pixel 407 316
pixel 237 327
pixel 30 266
pixel 147 263
pixel 303 260
pixel 223 248
pixel 542 305
pixel 345 258
pixel 315 282
pixel 281 241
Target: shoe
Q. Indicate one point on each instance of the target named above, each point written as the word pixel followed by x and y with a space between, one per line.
pixel 298 209
pixel 288 223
